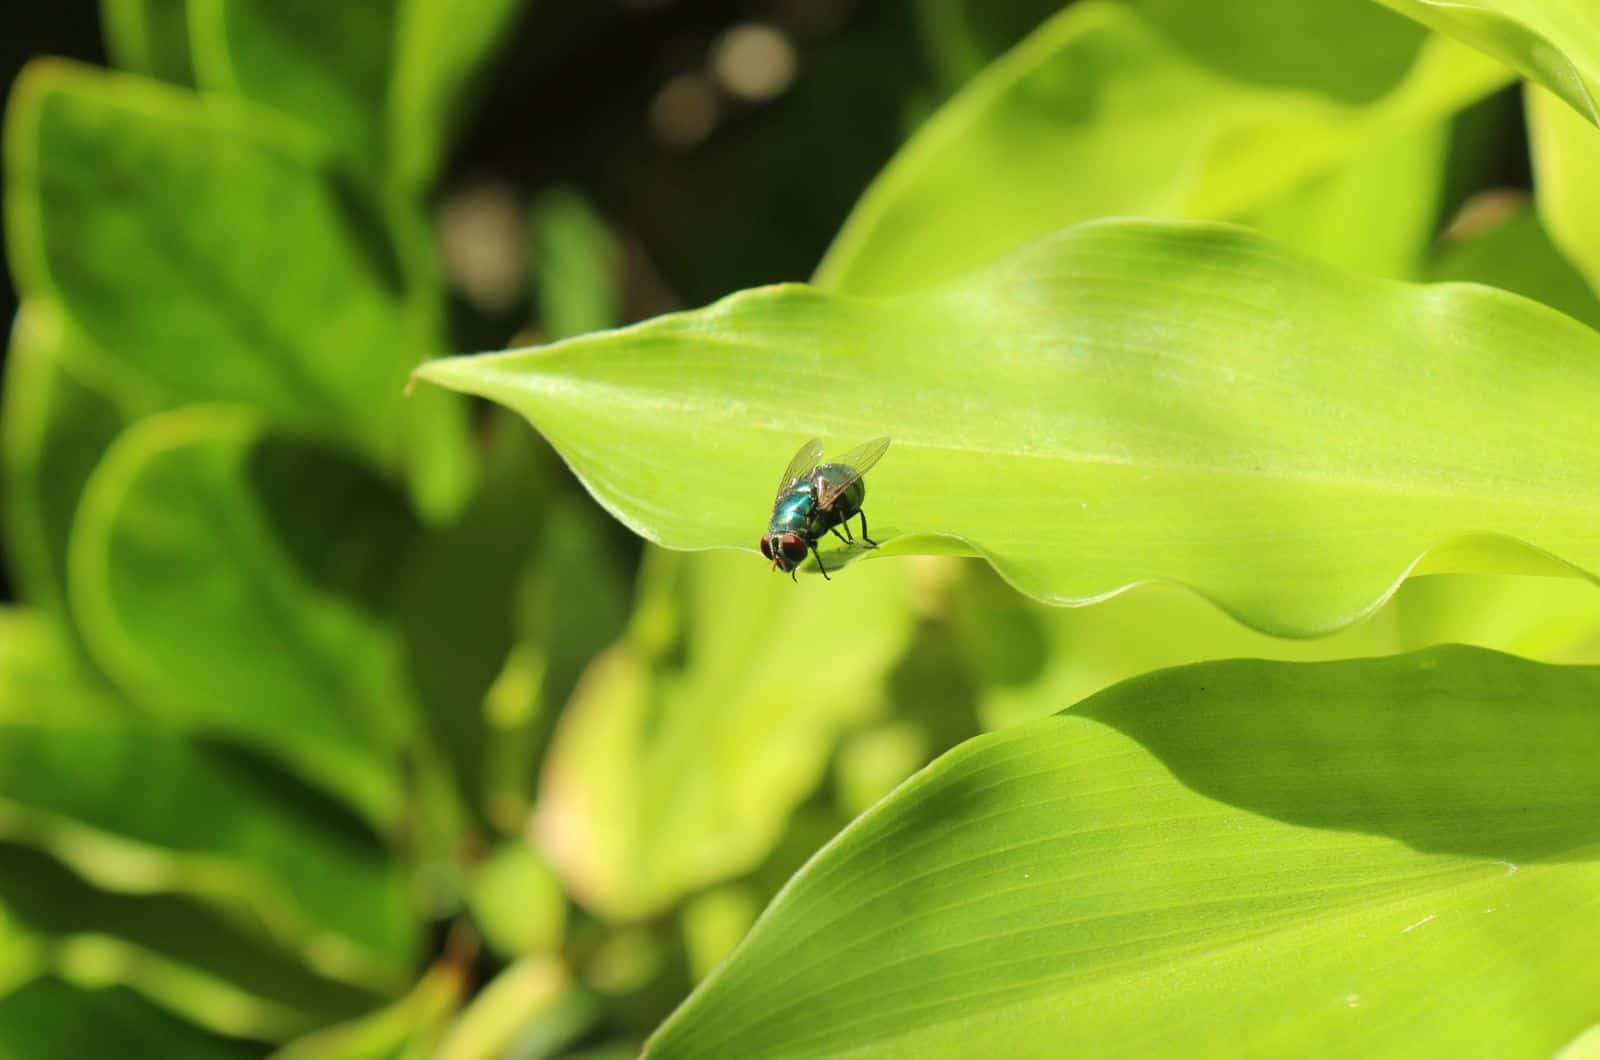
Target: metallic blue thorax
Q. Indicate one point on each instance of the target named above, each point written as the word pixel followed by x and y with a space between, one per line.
pixel 793 511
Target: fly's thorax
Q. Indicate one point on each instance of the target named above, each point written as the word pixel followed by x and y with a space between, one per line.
pixel 849 502
pixel 793 512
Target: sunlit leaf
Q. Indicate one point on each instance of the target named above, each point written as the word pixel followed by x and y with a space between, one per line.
pixel 205 259
pixel 1236 858
pixel 1034 659
pixel 671 772
pixel 1124 402
pixel 576 265
pixel 1553 42
pixel 1170 109
pixel 1566 161
pixel 1517 255
pixel 222 579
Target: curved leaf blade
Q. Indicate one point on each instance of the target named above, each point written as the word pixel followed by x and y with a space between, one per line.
pixel 1225 112
pixel 202 566
pixel 1553 42
pixel 1124 402
pixel 1228 859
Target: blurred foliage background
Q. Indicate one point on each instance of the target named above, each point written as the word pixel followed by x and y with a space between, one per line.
pixel 340 728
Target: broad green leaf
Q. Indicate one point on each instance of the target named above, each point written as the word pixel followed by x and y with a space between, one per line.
pixel 1517 255
pixel 1375 213
pixel 54 427
pixel 133 807
pixel 1033 659
pixel 441 47
pixel 208 260
pixel 1168 109
pixel 50 1019
pixel 328 66
pixel 1566 161
pixel 1553 42
pixel 674 770
pixel 149 37
pixel 409 1029
pixel 961 37
pixel 174 951
pixel 1232 859
pixel 1121 403
pixel 224 580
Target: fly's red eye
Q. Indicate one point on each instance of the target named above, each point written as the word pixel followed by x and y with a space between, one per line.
pixel 794 549
pixel 766 547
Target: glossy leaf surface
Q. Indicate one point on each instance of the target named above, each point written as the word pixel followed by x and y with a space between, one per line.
pixel 1163 109
pixel 1237 858
pixel 1121 403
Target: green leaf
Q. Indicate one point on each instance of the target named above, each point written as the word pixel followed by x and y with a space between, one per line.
pixel 674 768
pixel 516 901
pixel 1374 214
pixel 329 69
pixel 522 997
pixel 1170 109
pixel 172 950
pixel 149 37
pixel 576 265
pixel 1516 254
pixel 1121 403
pixel 54 427
pixel 49 1019
pixel 1566 162
pixel 43 681
pixel 1553 42
pixel 1235 858
pixel 1034 659
pixel 224 580
pixel 409 1029
pixel 132 807
pixel 442 46
pixel 207 257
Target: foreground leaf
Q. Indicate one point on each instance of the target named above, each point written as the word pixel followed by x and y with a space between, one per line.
pixel 1168 109
pixel 1235 858
pixel 1032 659
pixel 1554 42
pixel 1124 402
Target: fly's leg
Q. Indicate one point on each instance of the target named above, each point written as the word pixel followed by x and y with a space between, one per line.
pixel 834 530
pixel 820 567
pixel 870 543
pixel 847 535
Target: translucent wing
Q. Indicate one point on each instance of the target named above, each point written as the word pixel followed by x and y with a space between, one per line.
pixel 859 461
pixel 802 464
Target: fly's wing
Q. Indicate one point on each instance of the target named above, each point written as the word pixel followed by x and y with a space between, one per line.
pixel 858 462
pixel 804 461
